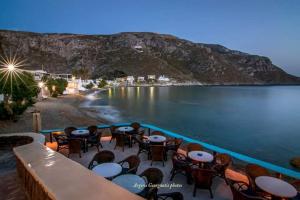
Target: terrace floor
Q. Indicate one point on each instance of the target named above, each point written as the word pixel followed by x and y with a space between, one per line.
pixel 220 189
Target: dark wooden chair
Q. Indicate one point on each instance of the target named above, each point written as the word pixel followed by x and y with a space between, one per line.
pixel 157 133
pixel 173 144
pixel 114 132
pixel 62 141
pixel 132 163
pixel 181 165
pixel 253 171
pixel 68 131
pixel 122 140
pixel 94 138
pixel 193 147
pixel 102 157
pixel 75 146
pixel 203 179
pixel 144 147
pixel 242 191
pixel 221 163
pixel 152 176
pixel 157 153
pixel 296 184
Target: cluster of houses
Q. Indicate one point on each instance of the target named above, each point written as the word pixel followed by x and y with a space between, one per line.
pixel 139 80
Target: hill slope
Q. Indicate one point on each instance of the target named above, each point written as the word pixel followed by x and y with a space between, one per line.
pixel 141 54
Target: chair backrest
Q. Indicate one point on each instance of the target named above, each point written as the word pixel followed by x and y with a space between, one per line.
pixel 194 147
pixel 203 177
pixel 223 160
pixel 93 130
pixel 254 171
pixel 157 133
pixel 239 189
pixel 74 145
pixel 69 130
pixel 153 175
pixel 102 157
pixel 133 162
pixel 179 159
pixel 135 125
pixel 60 139
pixel 157 152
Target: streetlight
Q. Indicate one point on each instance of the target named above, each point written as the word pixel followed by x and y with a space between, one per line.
pixel 11 67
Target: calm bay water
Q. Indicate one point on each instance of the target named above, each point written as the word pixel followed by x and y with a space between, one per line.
pixel 262 122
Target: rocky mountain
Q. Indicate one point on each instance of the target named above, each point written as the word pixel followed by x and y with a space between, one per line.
pixel 140 54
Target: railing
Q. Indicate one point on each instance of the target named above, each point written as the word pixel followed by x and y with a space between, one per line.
pixel 247 159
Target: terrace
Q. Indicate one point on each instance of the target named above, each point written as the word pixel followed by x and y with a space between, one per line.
pixel 219 187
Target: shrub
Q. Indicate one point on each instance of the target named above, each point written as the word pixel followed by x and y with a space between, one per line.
pixel 56 86
pixel 19 93
pixel 89 86
pixel 102 83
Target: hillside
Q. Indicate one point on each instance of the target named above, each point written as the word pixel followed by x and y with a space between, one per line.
pixel 141 54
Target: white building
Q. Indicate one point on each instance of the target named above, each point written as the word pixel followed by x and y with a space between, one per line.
pixel 151 77
pixel 130 80
pixel 163 79
pixel 38 74
pixel 140 79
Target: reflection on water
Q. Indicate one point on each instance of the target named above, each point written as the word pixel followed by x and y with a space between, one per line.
pixel 262 122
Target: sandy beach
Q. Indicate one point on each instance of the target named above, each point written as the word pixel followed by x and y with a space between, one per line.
pixel 55 113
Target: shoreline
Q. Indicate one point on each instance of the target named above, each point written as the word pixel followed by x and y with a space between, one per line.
pixel 61 112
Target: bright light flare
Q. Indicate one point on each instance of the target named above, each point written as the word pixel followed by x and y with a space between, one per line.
pixel 11 67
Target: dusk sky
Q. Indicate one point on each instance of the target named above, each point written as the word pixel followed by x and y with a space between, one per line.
pixel 265 27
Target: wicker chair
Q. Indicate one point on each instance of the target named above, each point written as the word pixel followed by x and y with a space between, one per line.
pixel 68 131
pixel 157 133
pixel 157 153
pixel 221 163
pixel 143 147
pixel 62 141
pixel 132 162
pixel 153 177
pixel 102 157
pixel 113 132
pixel 242 191
pixel 74 146
pixel 181 166
pixel 173 144
pixel 296 184
pixel 194 147
pixel 253 171
pixel 94 138
pixel 203 179
pixel 121 140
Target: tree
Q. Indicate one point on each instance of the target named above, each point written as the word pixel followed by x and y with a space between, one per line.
pixel 19 90
pixel 56 86
pixel 102 83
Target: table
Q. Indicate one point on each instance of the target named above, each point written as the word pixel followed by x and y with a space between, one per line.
pixel 108 170
pixel 157 138
pixel 80 132
pixel 201 156
pixel 130 182
pixel 125 129
pixel 276 187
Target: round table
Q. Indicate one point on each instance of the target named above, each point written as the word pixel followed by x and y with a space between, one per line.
pixel 80 132
pixel 276 187
pixel 130 182
pixel 108 170
pixel 157 138
pixel 200 156
pixel 125 129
